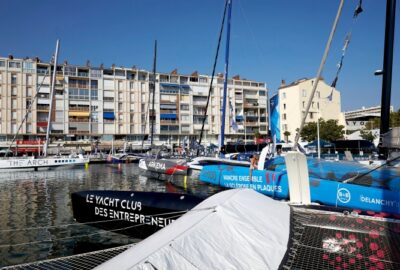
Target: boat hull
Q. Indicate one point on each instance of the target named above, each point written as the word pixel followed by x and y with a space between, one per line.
pixel 164 166
pixel 137 214
pixel 40 163
pixel 370 197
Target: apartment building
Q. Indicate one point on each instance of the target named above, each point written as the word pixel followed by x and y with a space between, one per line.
pixel 116 103
pixel 288 106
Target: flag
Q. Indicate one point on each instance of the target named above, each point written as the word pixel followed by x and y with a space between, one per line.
pixel 233 120
pixel 329 98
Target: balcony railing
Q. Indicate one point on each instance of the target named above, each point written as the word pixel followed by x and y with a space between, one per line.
pixel 78 85
pixel 42 108
pixel 173 122
pixel 78 109
pixel 74 131
pixel 80 120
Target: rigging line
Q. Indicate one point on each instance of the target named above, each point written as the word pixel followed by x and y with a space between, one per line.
pixel 357 11
pixel 28 110
pixel 76 236
pixel 262 56
pixel 319 73
pixel 212 76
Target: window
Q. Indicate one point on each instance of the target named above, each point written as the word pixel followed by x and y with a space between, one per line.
pixel 13 90
pixel 14 128
pixel 28 79
pixel 94 84
pixel 318 105
pixel 13 78
pixel 14 104
pixel 13 64
pixel 262 93
pixel 2 63
pixel 95 73
pixel 131 85
pixel 284 106
pixel 29 128
pixel 13 115
pixel 284 116
pixel 312 104
pixel 318 94
pixel 185 117
pixel 285 127
pixel 304 104
pixel 1 77
pixel 304 92
pixel 94 95
pixel 311 115
pixel 27 66
pixel 283 95
pixel 184 107
pixel 29 91
pixel 79 94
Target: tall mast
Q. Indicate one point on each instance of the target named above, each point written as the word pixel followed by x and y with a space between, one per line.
pixel 53 83
pixel 223 110
pixel 153 114
pixel 387 69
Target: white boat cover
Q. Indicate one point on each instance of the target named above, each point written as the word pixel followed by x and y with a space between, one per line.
pixel 234 229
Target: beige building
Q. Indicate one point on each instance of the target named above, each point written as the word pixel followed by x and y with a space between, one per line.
pixel 105 103
pixel 293 99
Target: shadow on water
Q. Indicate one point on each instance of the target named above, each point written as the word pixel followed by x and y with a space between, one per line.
pixel 36 221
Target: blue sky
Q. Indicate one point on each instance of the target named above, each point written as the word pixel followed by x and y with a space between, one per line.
pixel 270 40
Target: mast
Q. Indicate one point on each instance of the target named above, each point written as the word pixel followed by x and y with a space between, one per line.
pixel 223 109
pixel 153 115
pixel 212 76
pixel 387 69
pixel 319 73
pixel 53 83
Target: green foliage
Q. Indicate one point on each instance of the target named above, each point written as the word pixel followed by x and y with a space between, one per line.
pixel 367 135
pixel 328 130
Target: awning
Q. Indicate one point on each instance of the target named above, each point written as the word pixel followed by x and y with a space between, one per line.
pixel 168 116
pixel 81 114
pixel 109 115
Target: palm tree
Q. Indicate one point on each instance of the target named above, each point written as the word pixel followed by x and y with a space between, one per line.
pixel 287 134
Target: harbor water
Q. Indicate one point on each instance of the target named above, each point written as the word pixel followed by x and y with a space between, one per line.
pixel 36 221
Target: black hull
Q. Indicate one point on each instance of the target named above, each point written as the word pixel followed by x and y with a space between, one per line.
pixel 137 214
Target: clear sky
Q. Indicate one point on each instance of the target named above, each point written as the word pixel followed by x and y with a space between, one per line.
pixel 270 40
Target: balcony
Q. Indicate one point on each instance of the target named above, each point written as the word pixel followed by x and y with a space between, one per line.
pixel 42 107
pixel 78 85
pixel 74 131
pixel 78 109
pixel 169 122
pixel 79 120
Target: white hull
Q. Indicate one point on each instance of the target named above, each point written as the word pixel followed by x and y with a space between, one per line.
pixel 11 164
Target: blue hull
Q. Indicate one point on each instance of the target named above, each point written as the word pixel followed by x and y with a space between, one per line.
pixel 377 191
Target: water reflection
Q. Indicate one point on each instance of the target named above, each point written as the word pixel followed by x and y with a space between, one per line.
pixel 34 206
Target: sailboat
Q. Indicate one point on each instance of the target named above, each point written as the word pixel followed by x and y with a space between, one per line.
pixel 43 162
pixel 343 184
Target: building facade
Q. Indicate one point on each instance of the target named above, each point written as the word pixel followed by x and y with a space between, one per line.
pixel 289 104
pixel 357 119
pixel 116 103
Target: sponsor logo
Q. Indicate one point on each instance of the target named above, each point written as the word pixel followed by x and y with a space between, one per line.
pixel 343 195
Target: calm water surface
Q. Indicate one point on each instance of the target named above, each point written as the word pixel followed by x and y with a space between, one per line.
pixel 36 221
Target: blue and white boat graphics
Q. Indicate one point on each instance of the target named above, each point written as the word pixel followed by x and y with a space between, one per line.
pixel 340 184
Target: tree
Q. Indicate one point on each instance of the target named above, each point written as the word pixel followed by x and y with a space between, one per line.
pixel 367 135
pixel 286 134
pixel 328 130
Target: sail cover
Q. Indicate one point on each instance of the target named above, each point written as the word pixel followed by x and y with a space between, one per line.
pixel 234 229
